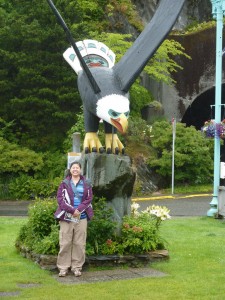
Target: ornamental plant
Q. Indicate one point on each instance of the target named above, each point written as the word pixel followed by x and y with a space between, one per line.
pixel 209 129
pixel 221 129
pixel 140 232
pixel 212 129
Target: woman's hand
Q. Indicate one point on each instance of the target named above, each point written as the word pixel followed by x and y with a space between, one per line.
pixel 76 213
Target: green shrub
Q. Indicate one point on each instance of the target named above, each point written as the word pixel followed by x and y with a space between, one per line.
pixel 193 154
pixel 26 187
pixel 50 243
pixel 139 233
pixel 41 233
pixel 15 158
pixel 41 223
pixel 101 227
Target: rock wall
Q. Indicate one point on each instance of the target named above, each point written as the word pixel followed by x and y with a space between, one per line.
pixel 198 74
pixel 113 178
pixel 199 10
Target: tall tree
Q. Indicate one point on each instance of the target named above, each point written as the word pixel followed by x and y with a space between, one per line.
pixel 37 88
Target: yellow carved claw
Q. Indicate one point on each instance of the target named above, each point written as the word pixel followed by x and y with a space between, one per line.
pixel 113 144
pixel 92 143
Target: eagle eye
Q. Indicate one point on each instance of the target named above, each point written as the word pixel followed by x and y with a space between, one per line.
pixel 113 114
pixel 127 114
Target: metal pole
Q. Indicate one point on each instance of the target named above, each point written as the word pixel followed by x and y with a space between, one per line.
pixel 173 152
pixel 218 7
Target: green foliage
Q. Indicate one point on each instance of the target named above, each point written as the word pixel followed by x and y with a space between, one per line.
pixel 139 234
pixel 137 139
pixel 41 216
pixel 6 130
pixel 101 227
pixel 32 73
pixel 140 97
pixel 25 174
pixel 193 154
pixel 78 127
pixel 41 232
pixel 54 166
pixel 26 187
pixel 50 243
pixel 162 64
pixel 195 26
pixel 41 227
pixel 125 8
pixel 16 159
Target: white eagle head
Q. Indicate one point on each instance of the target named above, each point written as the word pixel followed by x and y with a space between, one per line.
pixel 115 110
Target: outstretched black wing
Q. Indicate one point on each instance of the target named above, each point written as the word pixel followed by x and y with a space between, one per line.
pixel 76 50
pixel 135 59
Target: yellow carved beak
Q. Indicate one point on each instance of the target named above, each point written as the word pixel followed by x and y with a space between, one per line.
pixel 121 123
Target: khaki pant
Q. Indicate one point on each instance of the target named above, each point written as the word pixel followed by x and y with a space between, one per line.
pixel 72 241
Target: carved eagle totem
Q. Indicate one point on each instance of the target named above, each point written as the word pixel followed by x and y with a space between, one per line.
pixel 103 85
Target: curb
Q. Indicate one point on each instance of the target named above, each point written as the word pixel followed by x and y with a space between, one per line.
pixel 168 197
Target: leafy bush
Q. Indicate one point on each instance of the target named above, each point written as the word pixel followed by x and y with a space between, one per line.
pixel 139 234
pixel 41 233
pixel 30 181
pixel 50 243
pixel 101 227
pixel 26 187
pixel 41 224
pixel 15 158
pixel 54 165
pixel 193 154
pixel 78 127
pixel 137 139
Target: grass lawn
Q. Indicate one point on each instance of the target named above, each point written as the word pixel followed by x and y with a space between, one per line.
pixel 196 268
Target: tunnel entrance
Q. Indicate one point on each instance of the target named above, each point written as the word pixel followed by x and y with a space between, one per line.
pixel 200 111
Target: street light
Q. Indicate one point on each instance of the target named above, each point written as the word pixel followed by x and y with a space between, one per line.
pixel 218 8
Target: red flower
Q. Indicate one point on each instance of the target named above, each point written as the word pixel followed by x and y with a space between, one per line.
pixel 137 229
pixel 109 242
pixel 126 225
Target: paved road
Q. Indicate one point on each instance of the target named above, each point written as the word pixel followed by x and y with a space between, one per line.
pixel 183 205
pixel 14 208
pixel 179 205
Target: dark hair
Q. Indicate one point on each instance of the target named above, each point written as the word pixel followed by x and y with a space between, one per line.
pixel 75 163
pixel 67 172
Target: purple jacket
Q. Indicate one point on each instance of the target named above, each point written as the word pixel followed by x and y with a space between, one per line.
pixel 65 199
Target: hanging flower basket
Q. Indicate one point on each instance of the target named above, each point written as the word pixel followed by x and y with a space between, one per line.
pixel 221 129
pixel 209 129
pixel 212 129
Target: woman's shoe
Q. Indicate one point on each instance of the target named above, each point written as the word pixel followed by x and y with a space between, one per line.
pixel 77 273
pixel 62 273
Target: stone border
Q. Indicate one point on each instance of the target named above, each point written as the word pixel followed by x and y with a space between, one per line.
pixel 48 262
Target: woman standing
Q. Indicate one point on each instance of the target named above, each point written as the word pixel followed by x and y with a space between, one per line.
pixel 74 198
